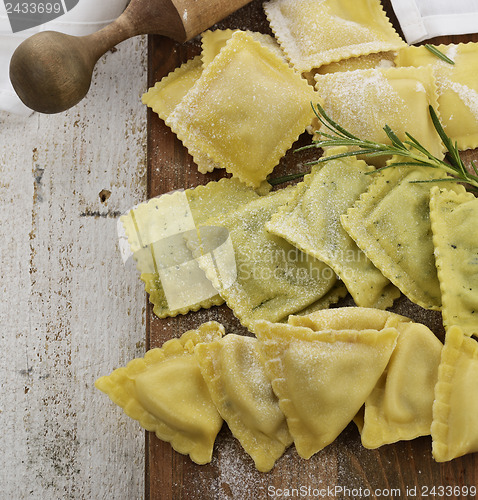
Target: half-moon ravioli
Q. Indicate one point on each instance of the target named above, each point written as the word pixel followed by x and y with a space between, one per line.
pixel 400 405
pixel 322 379
pixel 348 318
pixel 455 427
pixel 454 217
pixel 234 373
pixel 166 393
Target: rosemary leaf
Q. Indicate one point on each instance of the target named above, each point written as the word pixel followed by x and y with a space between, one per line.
pixel 393 137
pixel 438 127
pixel 473 166
pixel 335 126
pixel 324 159
pixel 446 179
pixel 438 53
pixel 409 163
pixel 415 144
pixel 285 178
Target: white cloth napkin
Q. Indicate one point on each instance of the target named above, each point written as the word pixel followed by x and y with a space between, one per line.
pixel 423 19
pixel 86 17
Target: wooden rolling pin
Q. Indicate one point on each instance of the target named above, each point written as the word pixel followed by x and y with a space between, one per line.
pixel 52 71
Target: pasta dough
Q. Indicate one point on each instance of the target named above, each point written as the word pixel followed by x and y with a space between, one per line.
pixel 235 375
pixel 337 292
pixel 322 378
pixel 453 218
pixel 245 111
pixel 349 318
pixel 400 405
pixel 313 33
pixel 370 61
pixel 364 101
pixel 311 222
pixel 214 40
pixel 155 234
pixel 169 92
pixel 274 279
pixel 455 428
pixel 166 393
pixel 457 88
pixel 391 224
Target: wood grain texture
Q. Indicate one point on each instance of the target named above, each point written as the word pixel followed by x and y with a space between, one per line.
pixel 231 474
pixel 69 310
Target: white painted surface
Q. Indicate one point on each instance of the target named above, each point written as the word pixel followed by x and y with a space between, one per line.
pixel 69 310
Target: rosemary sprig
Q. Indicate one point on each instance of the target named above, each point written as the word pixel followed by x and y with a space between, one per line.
pixel 409 151
pixel 286 178
pixel 438 53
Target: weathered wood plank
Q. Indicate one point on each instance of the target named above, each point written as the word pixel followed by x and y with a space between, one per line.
pixel 69 309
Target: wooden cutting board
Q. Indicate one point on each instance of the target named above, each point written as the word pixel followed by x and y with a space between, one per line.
pixel 405 469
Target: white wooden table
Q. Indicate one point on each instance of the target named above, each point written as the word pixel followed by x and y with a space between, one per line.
pixel 69 309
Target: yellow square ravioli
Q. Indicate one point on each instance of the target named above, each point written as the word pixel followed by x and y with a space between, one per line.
pixel 455 427
pixel 454 224
pixel 317 32
pixel 166 393
pixel 169 92
pixel 457 87
pixel 370 61
pixel 364 101
pixel 245 111
pixel 213 41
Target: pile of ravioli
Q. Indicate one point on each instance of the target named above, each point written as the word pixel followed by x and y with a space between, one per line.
pixel 310 370
pixel 303 382
pixel 242 103
pixel 304 247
